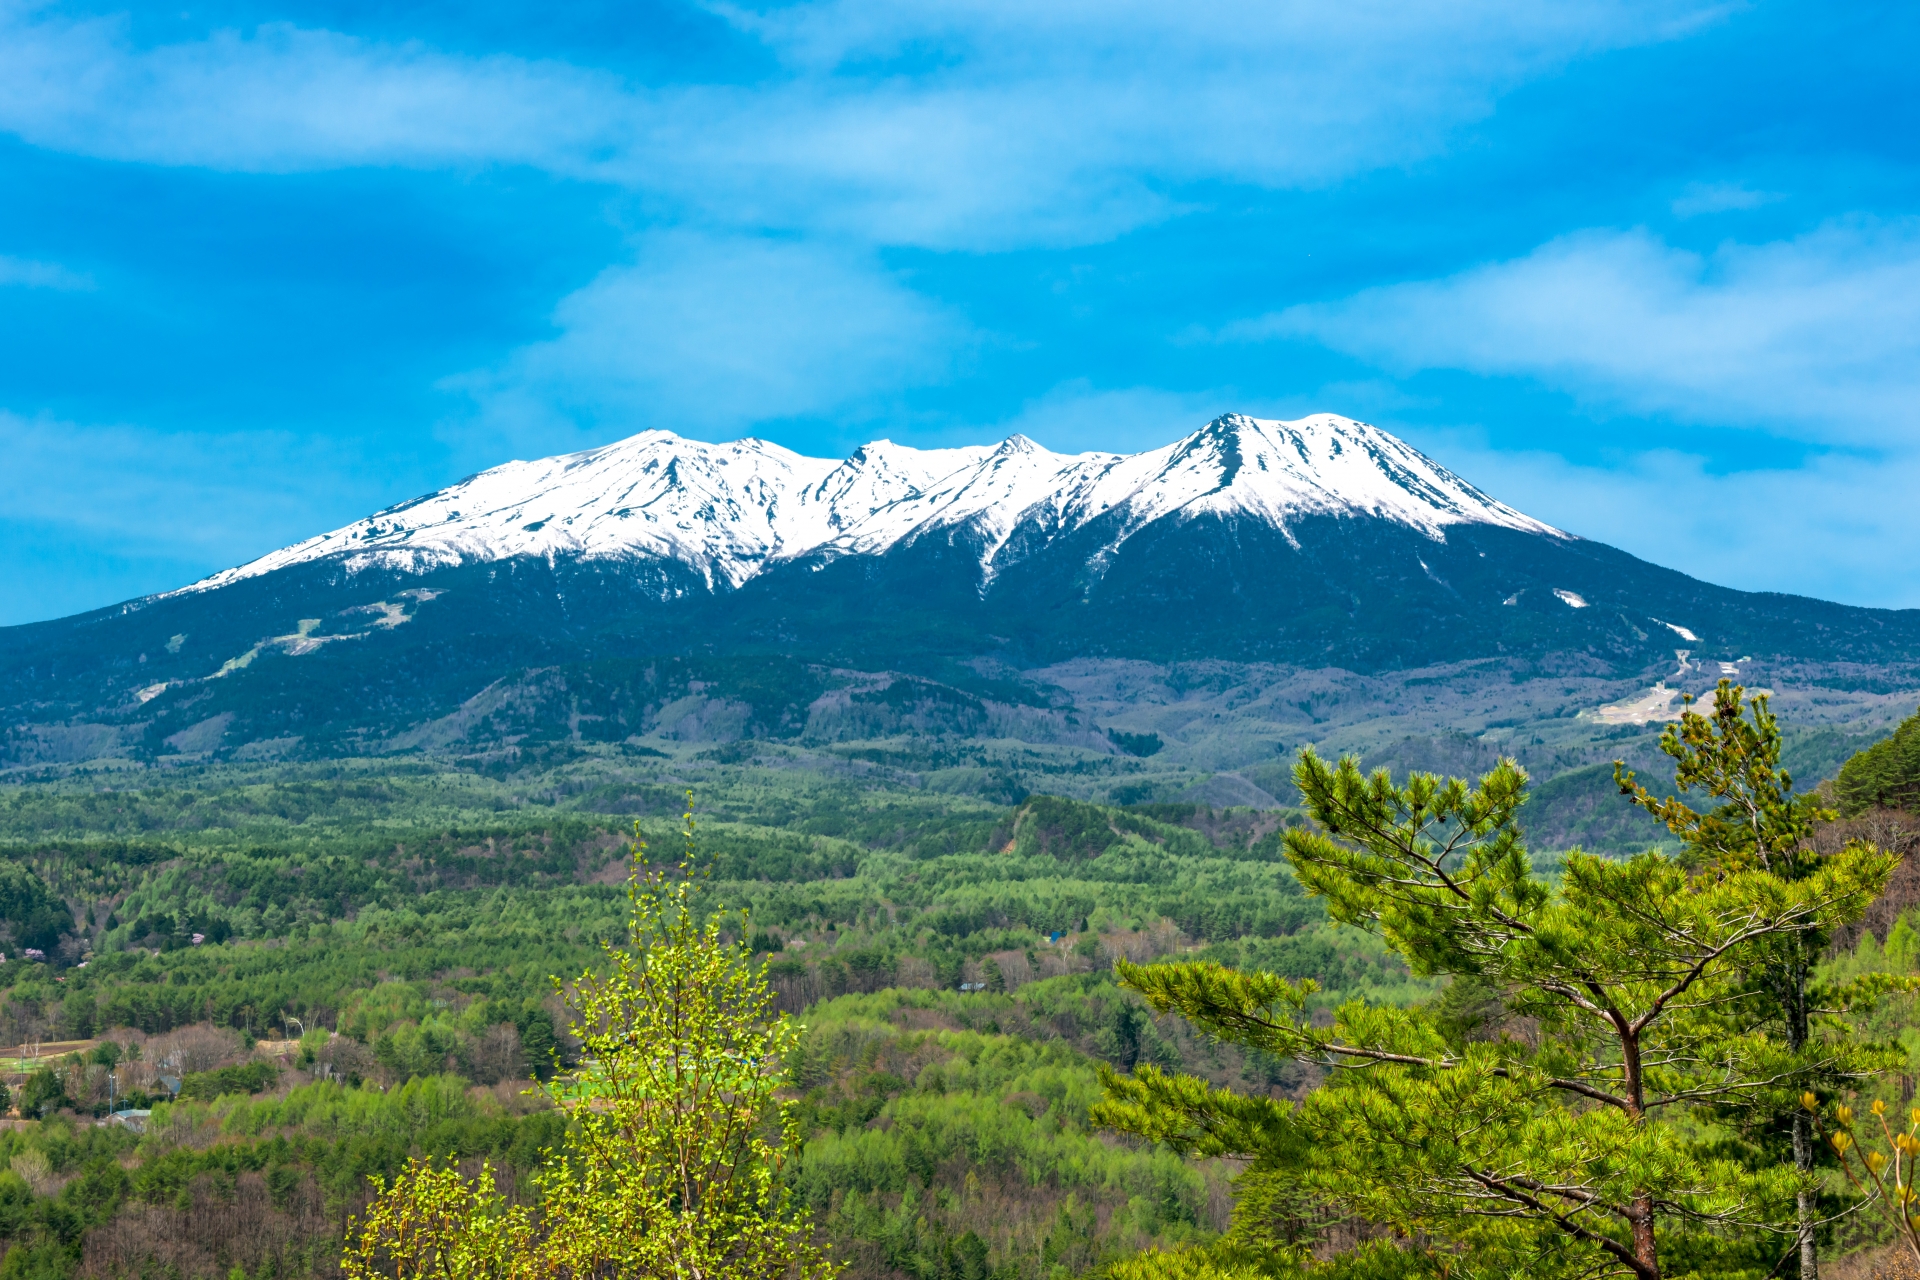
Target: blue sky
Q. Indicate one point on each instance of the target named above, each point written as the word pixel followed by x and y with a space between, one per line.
pixel 1650 271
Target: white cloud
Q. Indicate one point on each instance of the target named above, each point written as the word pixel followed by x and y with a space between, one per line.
pixel 705 335
pixel 1720 197
pixel 1818 335
pixel 1821 530
pixel 1018 124
pixel 286 98
pixel 1815 338
pixel 41 275
pixel 1064 121
pixel 214 499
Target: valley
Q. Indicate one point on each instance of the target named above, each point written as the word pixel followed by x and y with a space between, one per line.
pixel 326 838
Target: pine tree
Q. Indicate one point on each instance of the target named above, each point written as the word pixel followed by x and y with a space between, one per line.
pixel 1574 1140
pixel 1886 774
pixel 1732 755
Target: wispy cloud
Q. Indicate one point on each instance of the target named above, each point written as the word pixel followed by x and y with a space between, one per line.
pixel 1019 123
pixel 1822 529
pixel 1815 338
pixel 1720 197
pixel 285 98
pixel 704 335
pixel 41 275
pixel 1818 335
pixel 217 499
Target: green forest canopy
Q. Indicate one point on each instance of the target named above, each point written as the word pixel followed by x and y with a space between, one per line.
pixel 1884 775
pixel 418 913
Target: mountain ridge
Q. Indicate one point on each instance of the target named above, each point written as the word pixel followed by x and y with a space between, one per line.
pixel 729 510
pixel 932 591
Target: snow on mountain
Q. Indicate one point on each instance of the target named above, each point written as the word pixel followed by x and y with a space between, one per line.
pixel 1014 482
pixel 1321 465
pixel 728 510
pixel 878 477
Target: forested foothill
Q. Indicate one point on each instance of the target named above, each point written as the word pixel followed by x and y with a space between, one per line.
pixel 234 993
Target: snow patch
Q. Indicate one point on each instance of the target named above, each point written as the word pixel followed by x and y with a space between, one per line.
pixel 1571 599
pixel 1679 630
pixel 1657 703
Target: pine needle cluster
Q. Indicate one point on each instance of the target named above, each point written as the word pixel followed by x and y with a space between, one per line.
pixel 1652 1022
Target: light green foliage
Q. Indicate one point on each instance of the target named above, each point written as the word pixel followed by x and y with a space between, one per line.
pixel 676 1154
pixel 1880 1159
pixel 1869 1154
pixel 1073 830
pixel 312 1042
pixel 56 1183
pixel 1899 955
pixel 1570 1142
pixel 317 1144
pixel 410 915
pixel 434 1223
pixel 324 1110
pixel 895 1094
pixel 677 1147
pixel 250 1078
pixel 413 958
pixel 1903 946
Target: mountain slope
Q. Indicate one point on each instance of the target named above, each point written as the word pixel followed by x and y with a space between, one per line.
pixel 1317 543
pixel 730 510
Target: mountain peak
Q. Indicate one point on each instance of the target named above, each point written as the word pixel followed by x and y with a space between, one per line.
pixel 730 509
pixel 1324 464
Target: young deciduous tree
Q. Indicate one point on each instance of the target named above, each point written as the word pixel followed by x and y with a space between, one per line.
pixel 676 1143
pixel 433 1224
pixel 1884 1168
pixel 1572 1142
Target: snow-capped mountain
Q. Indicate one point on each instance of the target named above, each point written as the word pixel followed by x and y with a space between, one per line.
pixel 664 586
pixel 729 511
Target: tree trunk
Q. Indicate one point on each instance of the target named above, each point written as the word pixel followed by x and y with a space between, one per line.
pixel 1646 1251
pixel 1646 1255
pixel 1804 1205
pixel 1805 1208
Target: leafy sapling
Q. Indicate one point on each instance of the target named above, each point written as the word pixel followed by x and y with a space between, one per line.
pixel 677 1150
